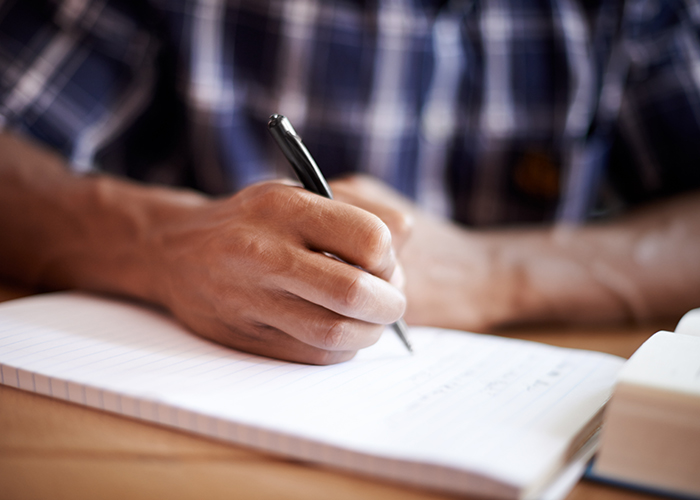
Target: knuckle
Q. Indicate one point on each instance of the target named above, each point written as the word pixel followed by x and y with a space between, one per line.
pixel 377 244
pixel 249 246
pixel 336 336
pixel 272 199
pixel 260 255
pixel 402 223
pixel 355 296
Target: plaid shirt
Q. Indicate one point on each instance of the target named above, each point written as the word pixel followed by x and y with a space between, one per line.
pixel 492 112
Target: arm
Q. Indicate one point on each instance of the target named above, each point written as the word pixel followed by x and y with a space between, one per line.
pixel 247 271
pixel 643 265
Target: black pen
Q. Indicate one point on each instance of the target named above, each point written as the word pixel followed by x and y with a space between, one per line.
pixel 311 178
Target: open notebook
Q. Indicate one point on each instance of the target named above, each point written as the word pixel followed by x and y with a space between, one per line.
pixel 466 413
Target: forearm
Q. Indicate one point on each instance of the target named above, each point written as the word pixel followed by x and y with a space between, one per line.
pixel 68 231
pixel 642 265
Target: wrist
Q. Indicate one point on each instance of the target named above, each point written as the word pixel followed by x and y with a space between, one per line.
pixel 110 241
pixel 505 289
pixel 136 262
pixel 558 275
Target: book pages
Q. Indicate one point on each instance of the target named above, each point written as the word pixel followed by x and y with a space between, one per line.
pixel 689 323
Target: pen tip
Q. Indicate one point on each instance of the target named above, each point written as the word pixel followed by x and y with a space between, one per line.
pixel 401 330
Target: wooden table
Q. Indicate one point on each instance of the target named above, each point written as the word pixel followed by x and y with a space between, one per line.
pixel 50 449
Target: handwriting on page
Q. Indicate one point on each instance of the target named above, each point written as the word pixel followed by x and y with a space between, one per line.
pixel 459 400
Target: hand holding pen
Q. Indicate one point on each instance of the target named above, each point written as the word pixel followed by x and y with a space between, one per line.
pixel 311 178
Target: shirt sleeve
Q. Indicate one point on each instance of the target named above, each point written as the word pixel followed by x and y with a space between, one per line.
pixel 73 75
pixel 656 148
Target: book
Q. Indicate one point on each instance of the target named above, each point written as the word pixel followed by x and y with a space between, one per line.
pixel 651 437
pixel 466 413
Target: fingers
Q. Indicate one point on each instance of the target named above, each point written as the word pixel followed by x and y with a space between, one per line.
pixel 319 327
pixel 352 234
pixel 400 223
pixel 341 288
pixel 398 279
pixel 266 340
pixel 256 272
pixel 377 198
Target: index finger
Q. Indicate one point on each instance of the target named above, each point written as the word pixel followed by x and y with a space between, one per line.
pixel 350 233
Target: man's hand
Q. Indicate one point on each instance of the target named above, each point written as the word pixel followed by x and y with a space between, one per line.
pixel 254 271
pixel 639 266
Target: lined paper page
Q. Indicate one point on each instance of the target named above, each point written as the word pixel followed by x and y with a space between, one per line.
pixel 495 407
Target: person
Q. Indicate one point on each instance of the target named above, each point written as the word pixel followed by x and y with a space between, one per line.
pixel 518 162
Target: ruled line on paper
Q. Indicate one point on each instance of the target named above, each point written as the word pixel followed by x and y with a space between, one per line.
pixel 382 404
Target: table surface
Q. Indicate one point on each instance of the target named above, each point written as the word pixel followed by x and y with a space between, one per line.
pixel 54 449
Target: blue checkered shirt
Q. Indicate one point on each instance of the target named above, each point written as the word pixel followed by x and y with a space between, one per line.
pixel 491 112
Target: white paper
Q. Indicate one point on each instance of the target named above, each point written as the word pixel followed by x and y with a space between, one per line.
pixel 690 323
pixel 501 408
pixel 666 361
